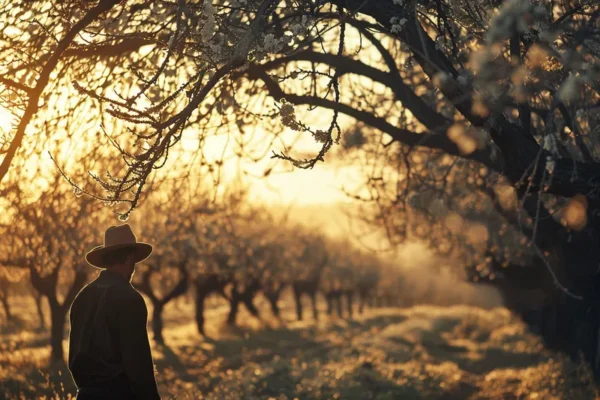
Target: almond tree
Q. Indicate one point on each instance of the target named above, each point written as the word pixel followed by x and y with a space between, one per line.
pixel 211 272
pixel 307 270
pixel 338 279
pixel 7 279
pixel 368 271
pixel 278 258
pixel 225 265
pixel 49 235
pixel 247 266
pixel 164 276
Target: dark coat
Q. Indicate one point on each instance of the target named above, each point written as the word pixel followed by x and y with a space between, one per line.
pixel 108 343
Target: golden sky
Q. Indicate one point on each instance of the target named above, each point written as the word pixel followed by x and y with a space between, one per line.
pixel 5 120
pixel 319 185
pixel 286 185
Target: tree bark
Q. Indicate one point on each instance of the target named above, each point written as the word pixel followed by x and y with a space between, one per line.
pixel 205 285
pixel 349 300
pixel 234 303
pixel 6 306
pixel 363 298
pixel 273 293
pixel 40 309
pixel 338 305
pixel 313 300
pixel 199 300
pixel 157 322
pixel 58 315
pixel 329 300
pixel 247 298
pixel 273 299
pixel 159 303
pixel 298 301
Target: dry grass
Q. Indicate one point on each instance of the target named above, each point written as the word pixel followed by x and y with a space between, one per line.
pixel 423 352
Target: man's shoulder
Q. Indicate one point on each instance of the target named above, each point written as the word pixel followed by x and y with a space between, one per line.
pixel 126 292
pixel 117 290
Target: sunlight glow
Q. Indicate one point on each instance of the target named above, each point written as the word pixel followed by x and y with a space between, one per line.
pixel 6 120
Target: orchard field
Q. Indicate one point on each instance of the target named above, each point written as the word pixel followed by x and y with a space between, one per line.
pixel 421 352
pixel 459 140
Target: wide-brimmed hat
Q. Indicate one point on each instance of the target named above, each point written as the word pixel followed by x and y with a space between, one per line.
pixel 115 238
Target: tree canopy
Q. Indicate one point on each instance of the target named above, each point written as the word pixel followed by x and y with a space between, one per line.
pixel 510 84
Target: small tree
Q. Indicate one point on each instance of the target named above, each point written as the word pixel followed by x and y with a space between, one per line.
pixel 7 279
pixel 165 276
pixel 49 235
pixel 306 272
pixel 368 273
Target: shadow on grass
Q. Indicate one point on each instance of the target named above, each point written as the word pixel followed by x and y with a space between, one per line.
pixel 53 382
pixel 367 324
pixel 288 360
pixel 401 354
pixel 258 347
pixel 173 361
pixel 485 360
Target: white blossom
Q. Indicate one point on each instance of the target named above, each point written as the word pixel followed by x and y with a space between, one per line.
pixel 512 16
pixel 321 136
pixel 271 44
pixel 288 116
pixel 297 29
pixel 397 24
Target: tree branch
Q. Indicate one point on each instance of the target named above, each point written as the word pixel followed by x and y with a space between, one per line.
pixel 434 140
pixel 434 121
pixel 44 77
pixel 106 49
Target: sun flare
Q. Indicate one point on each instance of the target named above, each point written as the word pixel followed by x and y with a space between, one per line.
pixel 6 120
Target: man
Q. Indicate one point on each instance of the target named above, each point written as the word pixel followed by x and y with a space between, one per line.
pixel 109 351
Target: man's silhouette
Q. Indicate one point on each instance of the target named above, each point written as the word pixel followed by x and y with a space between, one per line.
pixel 109 351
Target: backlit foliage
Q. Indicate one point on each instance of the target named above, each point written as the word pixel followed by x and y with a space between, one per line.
pixel 461 71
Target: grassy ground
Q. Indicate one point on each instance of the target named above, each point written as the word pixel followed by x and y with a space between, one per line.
pixel 422 352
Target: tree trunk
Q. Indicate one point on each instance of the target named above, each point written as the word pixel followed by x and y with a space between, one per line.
pixel 234 303
pixel 248 301
pixel 329 299
pixel 313 300
pixel 362 299
pixel 570 324
pixel 273 298
pixel 200 299
pixel 349 299
pixel 338 304
pixel 157 322
pixel 6 306
pixel 298 301
pixel 57 329
pixel 40 309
